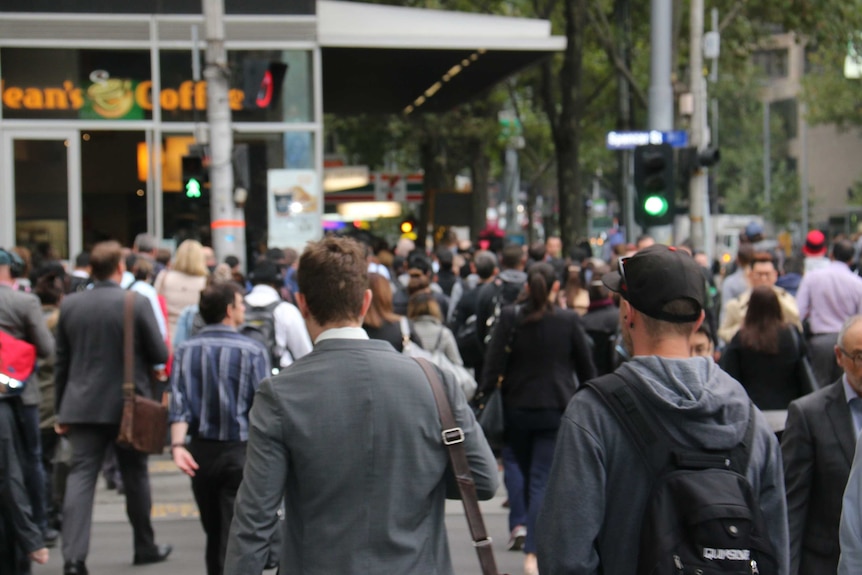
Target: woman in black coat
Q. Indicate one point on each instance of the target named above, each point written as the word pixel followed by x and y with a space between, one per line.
pixel 766 355
pixel 548 349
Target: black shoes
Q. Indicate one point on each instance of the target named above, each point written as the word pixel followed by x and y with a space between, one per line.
pixel 49 537
pixel 159 554
pixel 74 568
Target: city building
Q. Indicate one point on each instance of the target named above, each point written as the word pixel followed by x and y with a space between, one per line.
pixel 100 102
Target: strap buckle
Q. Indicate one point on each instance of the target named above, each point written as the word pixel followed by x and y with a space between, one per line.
pixel 453 436
pixel 486 542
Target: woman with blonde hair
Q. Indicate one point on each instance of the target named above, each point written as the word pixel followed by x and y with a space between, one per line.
pixel 181 285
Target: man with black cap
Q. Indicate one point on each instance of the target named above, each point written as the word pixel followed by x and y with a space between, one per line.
pixel 600 485
pixel 279 322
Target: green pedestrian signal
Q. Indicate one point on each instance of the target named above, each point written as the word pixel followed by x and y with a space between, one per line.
pixel 193 188
pixel 655 206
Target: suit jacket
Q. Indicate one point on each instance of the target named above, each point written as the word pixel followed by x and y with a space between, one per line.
pixel 21 317
pixel 350 436
pixel 88 376
pixel 817 447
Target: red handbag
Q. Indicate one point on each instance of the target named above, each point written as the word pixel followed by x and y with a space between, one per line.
pixel 17 362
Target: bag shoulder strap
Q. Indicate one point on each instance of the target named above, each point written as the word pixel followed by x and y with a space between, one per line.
pixel 453 439
pixel 129 345
pixel 655 445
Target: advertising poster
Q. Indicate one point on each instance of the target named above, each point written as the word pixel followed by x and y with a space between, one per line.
pixel 294 208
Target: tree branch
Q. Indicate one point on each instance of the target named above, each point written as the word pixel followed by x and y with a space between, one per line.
pixel 599 21
pixel 731 16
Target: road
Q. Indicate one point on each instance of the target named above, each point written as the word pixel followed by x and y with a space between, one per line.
pixel 175 518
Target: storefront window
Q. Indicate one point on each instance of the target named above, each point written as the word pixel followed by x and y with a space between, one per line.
pixel 47 84
pixel 265 86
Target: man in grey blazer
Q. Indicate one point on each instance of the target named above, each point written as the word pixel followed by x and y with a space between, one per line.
pixel 817 447
pixel 89 403
pixel 350 437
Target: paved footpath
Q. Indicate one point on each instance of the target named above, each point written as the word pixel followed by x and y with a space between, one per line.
pixel 175 518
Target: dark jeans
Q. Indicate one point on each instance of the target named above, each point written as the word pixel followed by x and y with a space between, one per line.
pixel 514 480
pixel 34 473
pixel 532 436
pixel 215 485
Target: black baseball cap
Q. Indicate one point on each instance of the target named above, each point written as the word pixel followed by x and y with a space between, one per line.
pixel 656 276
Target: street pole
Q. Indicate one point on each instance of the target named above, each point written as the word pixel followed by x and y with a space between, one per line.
pixel 660 90
pixel 767 152
pixel 227 220
pixel 699 140
pixel 803 169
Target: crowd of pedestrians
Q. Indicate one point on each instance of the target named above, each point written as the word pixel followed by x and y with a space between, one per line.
pixel 312 439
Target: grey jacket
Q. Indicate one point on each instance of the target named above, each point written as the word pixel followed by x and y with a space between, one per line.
pixel 599 486
pixel 434 335
pixel 88 376
pixel 349 435
pixel 21 316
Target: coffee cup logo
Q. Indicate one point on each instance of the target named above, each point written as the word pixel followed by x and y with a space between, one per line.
pixel 111 98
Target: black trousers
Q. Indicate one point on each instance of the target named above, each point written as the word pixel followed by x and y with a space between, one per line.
pixel 215 485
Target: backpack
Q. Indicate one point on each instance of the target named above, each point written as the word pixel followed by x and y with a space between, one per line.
pixel 17 362
pixel 702 515
pixel 260 326
pixel 467 339
pixel 505 293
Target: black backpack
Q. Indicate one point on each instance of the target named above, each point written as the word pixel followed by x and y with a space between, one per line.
pixel 260 326
pixel 505 293
pixel 701 516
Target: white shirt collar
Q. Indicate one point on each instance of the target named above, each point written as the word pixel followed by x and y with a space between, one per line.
pixel 342 333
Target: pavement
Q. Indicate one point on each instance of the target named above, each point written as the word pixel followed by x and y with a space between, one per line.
pixel 175 519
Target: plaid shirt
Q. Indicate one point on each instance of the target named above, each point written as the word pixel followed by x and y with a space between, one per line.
pixel 215 375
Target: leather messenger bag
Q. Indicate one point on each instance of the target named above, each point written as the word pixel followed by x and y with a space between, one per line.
pixel 144 425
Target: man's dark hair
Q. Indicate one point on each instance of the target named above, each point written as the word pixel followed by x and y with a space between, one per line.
pixel 763 258
pixel 745 254
pixel 232 261
pixel 83 260
pixel 512 257
pixel 536 251
pixel 419 261
pixel 842 251
pixel 214 301
pixel 50 288
pixel 446 259
pixel 105 259
pixel 333 277
pixel 486 263
pixel 131 258
pixel 276 255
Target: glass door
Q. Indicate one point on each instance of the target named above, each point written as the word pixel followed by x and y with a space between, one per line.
pixel 41 203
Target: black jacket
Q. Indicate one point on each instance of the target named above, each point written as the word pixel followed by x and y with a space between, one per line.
pixel 545 355
pixel 391 332
pixel 772 381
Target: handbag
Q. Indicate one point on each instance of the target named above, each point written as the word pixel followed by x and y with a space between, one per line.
pixel 144 425
pixel 408 346
pixel 453 439
pixel 17 362
pixel 489 410
pixel 463 377
pixel 806 371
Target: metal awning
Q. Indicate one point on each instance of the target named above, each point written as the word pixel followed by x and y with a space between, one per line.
pixel 390 59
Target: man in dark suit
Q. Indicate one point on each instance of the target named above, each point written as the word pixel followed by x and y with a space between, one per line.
pixel 817 447
pixel 350 437
pixel 89 403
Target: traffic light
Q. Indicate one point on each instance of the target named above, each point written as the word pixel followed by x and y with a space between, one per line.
pixel 654 182
pixel 408 225
pixel 262 82
pixel 195 176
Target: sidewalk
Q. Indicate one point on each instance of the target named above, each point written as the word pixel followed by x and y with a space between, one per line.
pixel 175 519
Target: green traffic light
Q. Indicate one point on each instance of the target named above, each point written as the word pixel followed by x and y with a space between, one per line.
pixel 193 188
pixel 655 206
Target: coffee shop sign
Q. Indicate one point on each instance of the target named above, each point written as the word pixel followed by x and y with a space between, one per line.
pixel 112 98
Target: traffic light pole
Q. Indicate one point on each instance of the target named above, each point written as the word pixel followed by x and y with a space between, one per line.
pixel 699 140
pixel 661 89
pixel 227 219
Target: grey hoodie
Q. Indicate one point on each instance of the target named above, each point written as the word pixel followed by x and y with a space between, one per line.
pixel 599 486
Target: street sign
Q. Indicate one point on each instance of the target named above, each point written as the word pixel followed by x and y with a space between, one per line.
pixel 631 140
